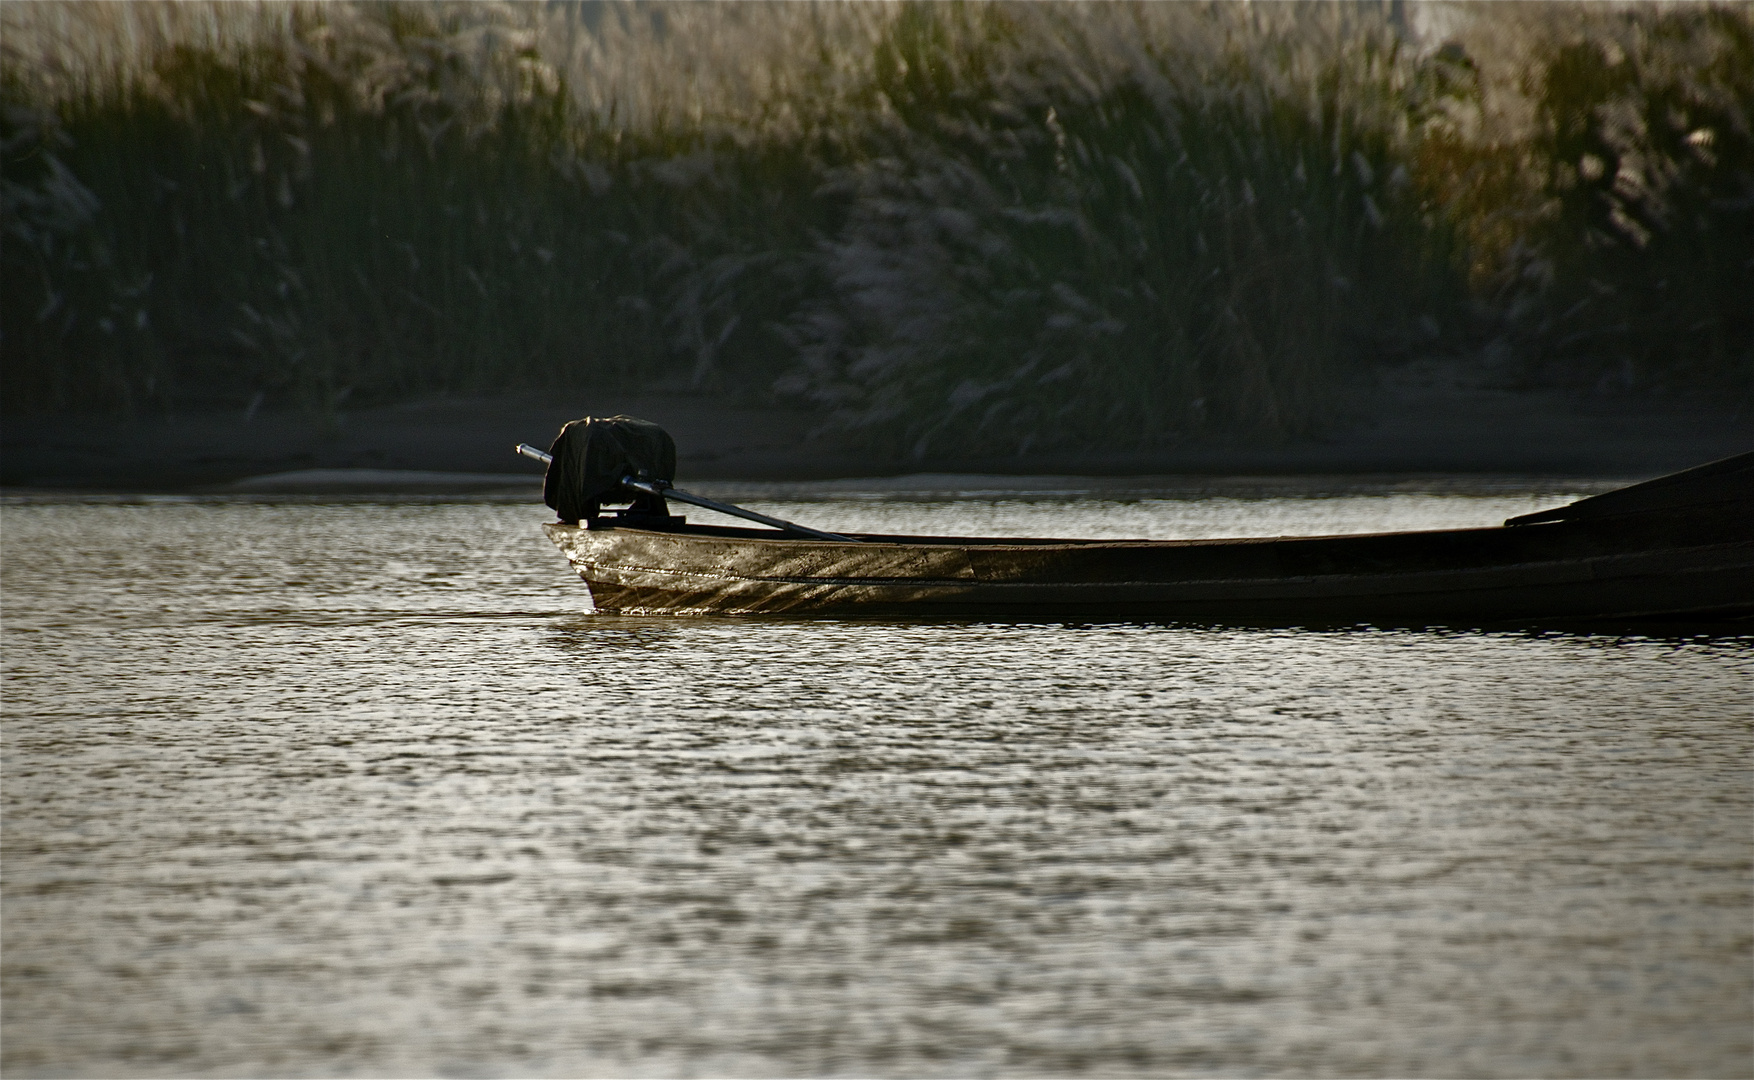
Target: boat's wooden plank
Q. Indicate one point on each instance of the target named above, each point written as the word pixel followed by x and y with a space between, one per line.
pixel 1467 550
pixel 1623 584
pixel 1699 594
pixel 748 558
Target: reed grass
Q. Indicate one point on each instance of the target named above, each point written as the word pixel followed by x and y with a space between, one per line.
pixel 951 228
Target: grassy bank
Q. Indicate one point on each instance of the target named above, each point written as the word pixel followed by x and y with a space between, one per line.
pixel 947 227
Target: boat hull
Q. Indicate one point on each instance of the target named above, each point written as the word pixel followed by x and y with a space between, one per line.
pixel 1690 566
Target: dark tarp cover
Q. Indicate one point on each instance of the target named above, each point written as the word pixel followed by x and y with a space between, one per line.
pixel 1730 481
pixel 592 455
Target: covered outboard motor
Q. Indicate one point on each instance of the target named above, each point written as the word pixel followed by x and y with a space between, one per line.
pixel 590 458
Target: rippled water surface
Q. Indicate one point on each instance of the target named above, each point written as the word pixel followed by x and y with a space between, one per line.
pixel 363 789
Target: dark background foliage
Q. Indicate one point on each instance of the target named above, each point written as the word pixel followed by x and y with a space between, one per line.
pixel 953 226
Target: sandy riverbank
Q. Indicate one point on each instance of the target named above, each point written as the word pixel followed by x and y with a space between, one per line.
pixel 466 444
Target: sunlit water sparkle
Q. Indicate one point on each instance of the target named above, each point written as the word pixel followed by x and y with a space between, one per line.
pixel 303 788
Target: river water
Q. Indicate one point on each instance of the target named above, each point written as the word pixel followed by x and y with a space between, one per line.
pixel 362 788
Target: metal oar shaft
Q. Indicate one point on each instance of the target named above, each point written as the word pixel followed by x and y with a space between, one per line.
pixel 666 491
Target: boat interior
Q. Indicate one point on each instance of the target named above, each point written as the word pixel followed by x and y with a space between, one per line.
pixel 1710 486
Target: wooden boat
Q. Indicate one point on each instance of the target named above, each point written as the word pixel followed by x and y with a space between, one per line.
pixel 1679 547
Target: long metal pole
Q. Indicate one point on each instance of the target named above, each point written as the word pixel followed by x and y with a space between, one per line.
pixel 664 490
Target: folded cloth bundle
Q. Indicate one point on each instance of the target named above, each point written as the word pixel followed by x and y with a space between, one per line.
pixel 592 455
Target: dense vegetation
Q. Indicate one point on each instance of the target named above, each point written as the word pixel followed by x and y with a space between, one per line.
pixel 943 225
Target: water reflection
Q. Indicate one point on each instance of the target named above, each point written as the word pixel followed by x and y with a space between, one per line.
pixel 356 789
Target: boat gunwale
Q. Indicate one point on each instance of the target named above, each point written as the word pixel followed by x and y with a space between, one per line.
pixel 693 531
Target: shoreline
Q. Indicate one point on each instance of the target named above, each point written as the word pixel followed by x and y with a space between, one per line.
pixel 460 445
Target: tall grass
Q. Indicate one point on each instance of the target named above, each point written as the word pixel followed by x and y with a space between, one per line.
pixel 1600 162
pixel 948 227
pixel 1117 227
pixel 377 210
